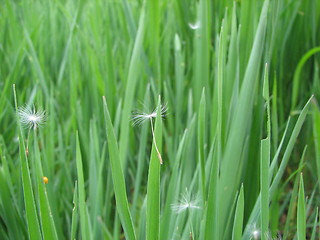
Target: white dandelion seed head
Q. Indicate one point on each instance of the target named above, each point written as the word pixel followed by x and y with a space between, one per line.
pixel 195 25
pixel 30 117
pixel 139 118
pixel 186 202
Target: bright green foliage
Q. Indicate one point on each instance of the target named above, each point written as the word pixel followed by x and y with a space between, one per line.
pixel 224 93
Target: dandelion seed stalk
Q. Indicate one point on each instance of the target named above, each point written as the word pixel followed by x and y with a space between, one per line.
pixel 155 142
pixel 140 118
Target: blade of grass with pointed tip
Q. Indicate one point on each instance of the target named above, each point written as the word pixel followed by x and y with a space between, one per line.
pixel 294 193
pixel 301 213
pixel 153 185
pixel 238 218
pixel 231 165
pixel 290 146
pixel 202 50
pixel 118 178
pixel 30 206
pixel 255 212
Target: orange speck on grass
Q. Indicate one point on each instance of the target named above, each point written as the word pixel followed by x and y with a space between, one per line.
pixel 45 180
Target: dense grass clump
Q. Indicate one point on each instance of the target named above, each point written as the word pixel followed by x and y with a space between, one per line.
pixel 160 120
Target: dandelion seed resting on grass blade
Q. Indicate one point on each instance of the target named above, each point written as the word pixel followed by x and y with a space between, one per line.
pixel 139 118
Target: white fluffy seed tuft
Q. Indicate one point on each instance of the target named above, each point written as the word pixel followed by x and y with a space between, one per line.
pixel 31 118
pixel 185 203
pixel 139 118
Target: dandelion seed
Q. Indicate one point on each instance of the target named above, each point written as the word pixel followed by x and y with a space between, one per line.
pixel 185 203
pixel 31 118
pixel 139 118
pixel 195 25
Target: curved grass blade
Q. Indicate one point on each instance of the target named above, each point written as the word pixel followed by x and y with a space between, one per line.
pixel 118 178
pixel 296 76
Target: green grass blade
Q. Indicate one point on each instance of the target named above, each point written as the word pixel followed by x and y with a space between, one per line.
pixel 231 167
pixel 202 50
pixel 290 146
pixel 292 203
pixel 130 90
pixel 276 181
pixel 301 213
pixel 264 163
pixel 238 218
pixel 314 229
pixel 118 178
pixel 153 187
pixel 82 195
pixel 212 217
pixel 36 62
pixel 153 21
pixel 201 138
pixel 141 156
pixel 29 200
pixel 74 219
pixel 316 135
pixel 46 217
pixel 296 77
pixel 264 183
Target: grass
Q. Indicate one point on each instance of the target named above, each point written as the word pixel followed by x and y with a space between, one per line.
pixel 239 144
